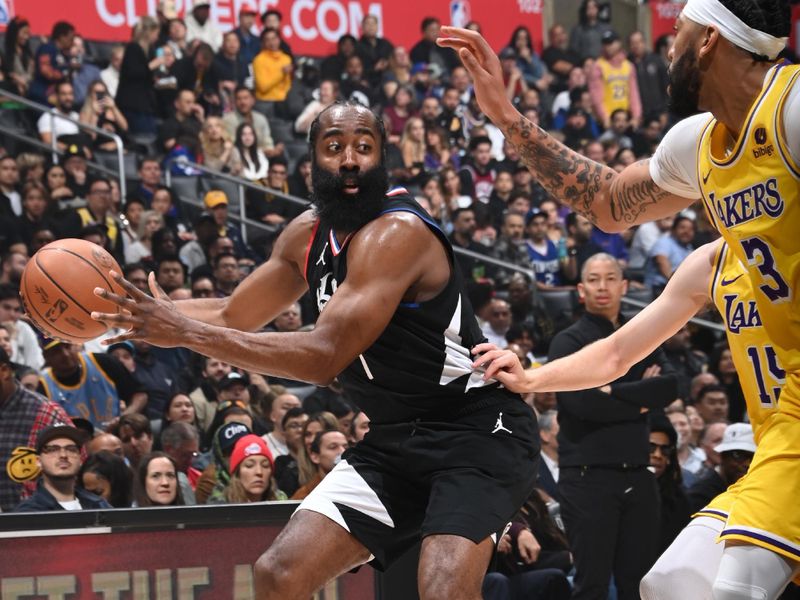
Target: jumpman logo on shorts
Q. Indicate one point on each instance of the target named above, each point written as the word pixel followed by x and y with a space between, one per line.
pixel 499 425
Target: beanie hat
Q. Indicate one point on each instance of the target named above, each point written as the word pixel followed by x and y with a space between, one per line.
pixel 249 445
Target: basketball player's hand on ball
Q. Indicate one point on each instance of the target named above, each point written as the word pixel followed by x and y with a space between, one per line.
pixel 502 365
pixel 154 319
pixel 484 68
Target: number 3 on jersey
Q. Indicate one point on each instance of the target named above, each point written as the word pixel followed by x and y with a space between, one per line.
pixel 759 255
pixel 767 395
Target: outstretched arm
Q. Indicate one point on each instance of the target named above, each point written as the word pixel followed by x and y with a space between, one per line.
pixel 265 293
pixel 383 264
pixel 610 358
pixel 614 202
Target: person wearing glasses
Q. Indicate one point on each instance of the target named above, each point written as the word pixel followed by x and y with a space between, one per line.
pixel 58 452
pixel 675 513
pixel 181 442
pixel 98 211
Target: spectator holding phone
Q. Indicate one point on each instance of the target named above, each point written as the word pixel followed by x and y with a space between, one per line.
pixel 99 110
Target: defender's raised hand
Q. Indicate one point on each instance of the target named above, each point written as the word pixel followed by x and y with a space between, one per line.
pixel 483 65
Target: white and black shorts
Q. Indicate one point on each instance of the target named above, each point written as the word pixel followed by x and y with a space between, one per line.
pixel 403 482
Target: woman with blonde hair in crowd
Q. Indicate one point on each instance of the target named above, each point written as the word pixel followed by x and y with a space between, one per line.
pixel 142 249
pixel 252 474
pixel 218 151
pixel 412 147
pixel 99 110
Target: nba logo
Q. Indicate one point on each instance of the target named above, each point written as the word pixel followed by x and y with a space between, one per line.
pixel 459 13
pixel 5 13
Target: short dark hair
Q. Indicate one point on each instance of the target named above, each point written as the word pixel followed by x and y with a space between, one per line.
pixel 711 388
pixel 147 159
pixel 292 413
pixel 59 84
pixel 266 31
pixel 459 211
pixel 101 179
pixel 680 219
pixel 62 28
pixel 131 267
pixel 8 290
pixel 479 140
pixel 427 22
pixel 313 131
pixel 218 258
pixel 278 160
pixel 243 88
pixel 270 12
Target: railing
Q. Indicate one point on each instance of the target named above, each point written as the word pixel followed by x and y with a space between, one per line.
pixel 54 142
pixel 244 184
pixel 241 185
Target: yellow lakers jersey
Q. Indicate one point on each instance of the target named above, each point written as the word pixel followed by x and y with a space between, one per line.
pixel 616 84
pixel 750 190
pixel 756 360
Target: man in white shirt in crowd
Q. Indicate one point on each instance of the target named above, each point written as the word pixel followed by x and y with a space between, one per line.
pixel 498 322
pixel 199 26
pixel 54 126
pixel 110 75
pixel 276 439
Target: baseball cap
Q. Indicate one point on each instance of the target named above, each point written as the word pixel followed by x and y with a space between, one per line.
pixel 233 378
pixel 533 213
pixel 738 436
pixel 214 198
pixel 507 53
pixel 48 343
pixel 200 4
pixel 205 217
pixel 247 10
pixel 661 423
pixel 249 445
pixel 60 430
pixel 609 36
pixel 419 67
pixel 124 345
pixel 229 434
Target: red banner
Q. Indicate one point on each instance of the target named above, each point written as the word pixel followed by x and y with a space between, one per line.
pixel 795 35
pixel 311 27
pixel 662 18
pixel 196 564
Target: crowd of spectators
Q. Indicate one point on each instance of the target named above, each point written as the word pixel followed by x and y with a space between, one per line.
pixel 171 427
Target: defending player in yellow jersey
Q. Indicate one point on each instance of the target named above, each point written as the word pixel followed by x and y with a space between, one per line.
pixel 688 567
pixel 725 61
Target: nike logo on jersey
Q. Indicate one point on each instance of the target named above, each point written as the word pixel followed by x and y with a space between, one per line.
pixel 730 281
pixel 706 176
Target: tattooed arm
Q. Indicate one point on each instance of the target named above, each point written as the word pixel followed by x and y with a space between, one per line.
pixel 612 201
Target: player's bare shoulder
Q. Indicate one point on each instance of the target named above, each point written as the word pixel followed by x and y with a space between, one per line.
pixel 293 241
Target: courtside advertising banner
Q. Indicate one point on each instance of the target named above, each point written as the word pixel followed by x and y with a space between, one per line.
pixel 196 564
pixel 311 27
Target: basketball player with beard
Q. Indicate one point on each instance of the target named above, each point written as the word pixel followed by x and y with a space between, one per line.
pixel 742 159
pixel 449 457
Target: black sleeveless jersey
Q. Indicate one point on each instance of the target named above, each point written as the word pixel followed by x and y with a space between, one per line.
pixel 421 364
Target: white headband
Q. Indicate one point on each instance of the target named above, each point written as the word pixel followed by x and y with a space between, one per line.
pixel 731 27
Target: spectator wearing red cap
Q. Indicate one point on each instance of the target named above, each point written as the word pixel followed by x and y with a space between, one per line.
pixel 252 479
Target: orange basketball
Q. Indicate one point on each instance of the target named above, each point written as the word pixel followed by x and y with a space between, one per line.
pixel 57 289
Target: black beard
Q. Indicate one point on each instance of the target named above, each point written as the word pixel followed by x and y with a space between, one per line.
pixel 684 85
pixel 348 212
